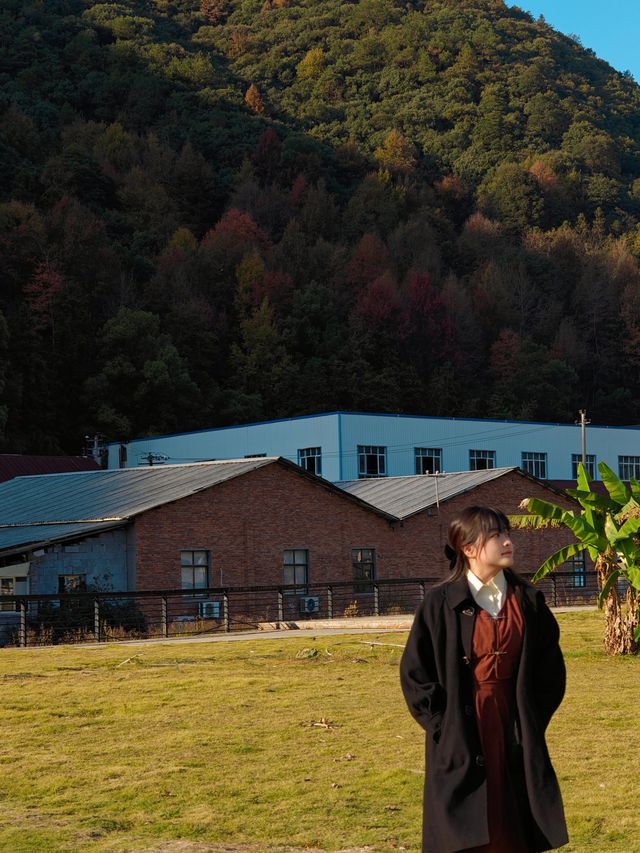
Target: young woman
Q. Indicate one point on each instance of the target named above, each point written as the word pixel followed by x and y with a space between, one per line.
pixel 483 673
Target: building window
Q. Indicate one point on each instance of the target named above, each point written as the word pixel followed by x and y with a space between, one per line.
pixel 13 586
pixel 363 561
pixel 310 458
pixel 628 467
pixel 577 566
pixel 295 565
pixel 72 583
pixel 194 569
pixel 372 461
pixel 536 464
pixel 428 460
pixel 576 458
pixel 481 460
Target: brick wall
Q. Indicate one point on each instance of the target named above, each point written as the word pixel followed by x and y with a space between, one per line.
pixel 424 536
pixel 247 522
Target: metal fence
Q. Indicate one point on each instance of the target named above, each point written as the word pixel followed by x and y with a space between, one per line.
pixel 30 620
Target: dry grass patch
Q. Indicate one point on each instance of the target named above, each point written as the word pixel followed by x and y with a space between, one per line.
pixel 257 747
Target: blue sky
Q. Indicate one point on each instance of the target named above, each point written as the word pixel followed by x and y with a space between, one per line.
pixel 611 28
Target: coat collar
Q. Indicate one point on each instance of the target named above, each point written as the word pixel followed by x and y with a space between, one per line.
pixel 457 592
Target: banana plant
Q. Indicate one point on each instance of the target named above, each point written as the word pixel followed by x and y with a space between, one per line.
pixel 607 528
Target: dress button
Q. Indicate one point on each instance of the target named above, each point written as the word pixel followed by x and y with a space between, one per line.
pixel 480 760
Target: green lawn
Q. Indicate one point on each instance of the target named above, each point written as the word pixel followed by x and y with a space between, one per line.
pixel 252 746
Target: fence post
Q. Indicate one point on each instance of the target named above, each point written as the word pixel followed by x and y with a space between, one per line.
pixel 96 619
pixel 330 602
pixel 555 590
pixel 225 611
pixel 22 607
pixel 376 600
pixel 163 617
pixel 280 606
pixel 422 590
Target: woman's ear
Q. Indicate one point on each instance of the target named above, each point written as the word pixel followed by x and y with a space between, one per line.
pixel 470 550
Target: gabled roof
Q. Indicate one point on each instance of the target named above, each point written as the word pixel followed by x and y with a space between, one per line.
pixel 35 511
pixel 407 496
pixel 18 465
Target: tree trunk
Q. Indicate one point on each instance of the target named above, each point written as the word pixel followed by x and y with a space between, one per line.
pixel 620 618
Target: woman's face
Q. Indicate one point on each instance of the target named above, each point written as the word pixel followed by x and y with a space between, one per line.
pixel 495 553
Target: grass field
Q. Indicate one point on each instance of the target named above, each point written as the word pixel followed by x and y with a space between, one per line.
pixel 260 745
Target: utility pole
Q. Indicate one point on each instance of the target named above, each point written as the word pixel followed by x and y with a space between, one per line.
pixel 583 434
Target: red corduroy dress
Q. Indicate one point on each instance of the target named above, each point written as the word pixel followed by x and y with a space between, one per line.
pixel 496 647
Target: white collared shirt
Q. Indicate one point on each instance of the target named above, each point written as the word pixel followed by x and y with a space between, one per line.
pixel 490 596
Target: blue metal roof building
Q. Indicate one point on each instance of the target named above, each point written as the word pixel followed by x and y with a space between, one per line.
pixel 350 445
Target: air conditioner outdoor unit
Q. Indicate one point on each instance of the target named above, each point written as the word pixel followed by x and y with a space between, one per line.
pixel 209 609
pixel 310 604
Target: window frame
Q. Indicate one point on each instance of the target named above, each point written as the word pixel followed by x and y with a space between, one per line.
pixel 432 453
pixel 576 458
pixel 487 456
pixel 8 587
pixel 69 582
pixel 193 566
pixel 627 475
pixel 363 585
pixel 537 465
pixel 367 453
pixel 307 453
pixel 577 565
pixel 298 587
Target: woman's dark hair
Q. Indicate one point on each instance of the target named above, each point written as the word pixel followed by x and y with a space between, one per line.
pixel 473 524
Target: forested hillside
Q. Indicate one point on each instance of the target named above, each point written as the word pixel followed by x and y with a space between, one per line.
pixel 214 211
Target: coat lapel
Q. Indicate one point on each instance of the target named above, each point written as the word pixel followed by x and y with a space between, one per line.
pixel 460 599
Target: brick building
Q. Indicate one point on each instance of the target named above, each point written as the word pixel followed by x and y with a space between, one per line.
pixel 424 506
pixel 243 523
pixel 24 465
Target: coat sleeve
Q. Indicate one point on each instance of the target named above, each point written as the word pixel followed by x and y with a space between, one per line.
pixel 549 675
pixel 423 692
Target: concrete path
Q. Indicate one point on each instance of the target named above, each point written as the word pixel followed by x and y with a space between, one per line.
pixel 293 630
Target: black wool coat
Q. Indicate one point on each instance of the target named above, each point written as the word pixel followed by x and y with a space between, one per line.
pixel 437 683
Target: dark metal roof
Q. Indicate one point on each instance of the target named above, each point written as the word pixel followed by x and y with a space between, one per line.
pixel 15 539
pixel 95 496
pixel 38 510
pixel 34 510
pixel 405 496
pixel 16 465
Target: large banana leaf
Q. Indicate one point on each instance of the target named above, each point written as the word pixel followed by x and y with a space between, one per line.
pixel 593 500
pixel 633 576
pixel 583 531
pixel 558 559
pixel 583 480
pixel 628 550
pixel 629 528
pixel 611 529
pixel 545 509
pixel 532 522
pixel 606 589
pixel 614 485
